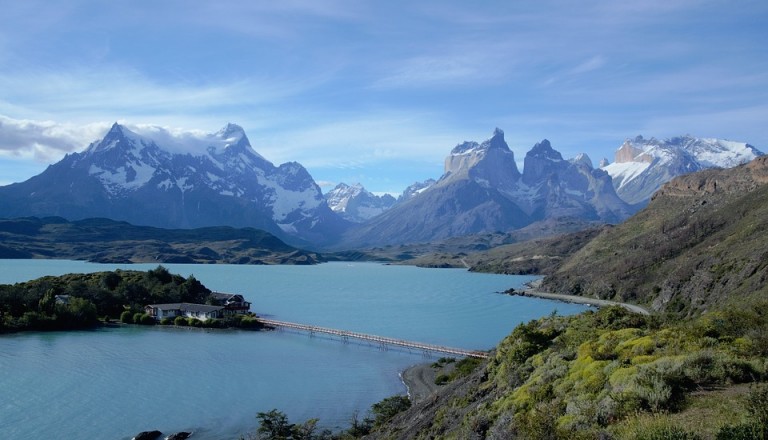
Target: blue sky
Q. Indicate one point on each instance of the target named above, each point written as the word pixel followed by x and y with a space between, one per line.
pixel 378 92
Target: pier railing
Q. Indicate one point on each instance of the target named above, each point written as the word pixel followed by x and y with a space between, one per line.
pixel 345 335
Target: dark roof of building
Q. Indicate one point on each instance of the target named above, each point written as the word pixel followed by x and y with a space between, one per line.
pixel 187 307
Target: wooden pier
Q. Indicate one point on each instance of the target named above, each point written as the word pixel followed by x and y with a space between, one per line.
pixel 384 341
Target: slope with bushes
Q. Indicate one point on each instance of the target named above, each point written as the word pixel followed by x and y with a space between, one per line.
pixel 699 242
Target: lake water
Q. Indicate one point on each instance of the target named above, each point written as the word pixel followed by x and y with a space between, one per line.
pixel 113 383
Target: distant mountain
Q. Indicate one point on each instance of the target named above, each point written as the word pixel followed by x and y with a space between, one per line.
pixel 218 180
pixel 642 166
pixel 109 241
pixel 356 204
pixel 483 191
pixel 699 242
pixel 415 189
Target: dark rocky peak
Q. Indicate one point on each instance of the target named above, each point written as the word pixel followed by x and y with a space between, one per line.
pixel 544 150
pixel 496 141
pixel 541 162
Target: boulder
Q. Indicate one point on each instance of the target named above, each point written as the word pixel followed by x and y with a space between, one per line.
pixel 179 436
pixel 148 435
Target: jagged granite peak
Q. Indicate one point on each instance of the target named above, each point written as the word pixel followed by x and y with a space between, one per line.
pixel 643 165
pixel 604 162
pixel 541 161
pixel 482 191
pixel 356 204
pixel 489 163
pixel 174 184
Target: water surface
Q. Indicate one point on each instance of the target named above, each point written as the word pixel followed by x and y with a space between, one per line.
pixel 113 383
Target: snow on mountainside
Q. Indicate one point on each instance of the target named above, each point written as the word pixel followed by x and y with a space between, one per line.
pixel 356 204
pixel 210 180
pixel 642 166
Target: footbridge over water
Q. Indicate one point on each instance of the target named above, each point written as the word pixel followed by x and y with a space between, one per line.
pixel 384 341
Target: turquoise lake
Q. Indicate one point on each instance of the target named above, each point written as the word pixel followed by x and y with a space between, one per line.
pixel 114 383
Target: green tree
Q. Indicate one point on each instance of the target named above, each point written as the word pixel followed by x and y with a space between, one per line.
pixel 388 408
pixel 274 425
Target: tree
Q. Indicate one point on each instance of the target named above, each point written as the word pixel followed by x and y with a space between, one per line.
pixel 273 425
pixel 388 408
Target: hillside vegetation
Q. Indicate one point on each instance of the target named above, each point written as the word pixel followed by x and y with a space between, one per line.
pixel 699 243
pixel 697 254
pixel 589 376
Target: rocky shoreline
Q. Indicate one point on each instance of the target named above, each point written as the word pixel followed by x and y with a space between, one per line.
pixel 419 380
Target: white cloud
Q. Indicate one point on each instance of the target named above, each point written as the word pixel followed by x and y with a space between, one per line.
pixel 45 141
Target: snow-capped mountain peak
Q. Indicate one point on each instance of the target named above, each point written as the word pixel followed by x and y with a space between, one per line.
pixel 643 165
pixel 356 204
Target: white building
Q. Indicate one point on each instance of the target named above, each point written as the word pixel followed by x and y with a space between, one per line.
pixel 202 312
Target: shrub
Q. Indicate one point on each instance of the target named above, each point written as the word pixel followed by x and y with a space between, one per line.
pixel 745 431
pixel 388 408
pixel 126 317
pixel 166 321
pixel 442 379
pixel 180 321
pixel 146 319
pixel 137 317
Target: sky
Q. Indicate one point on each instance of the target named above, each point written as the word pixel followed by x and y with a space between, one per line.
pixel 379 92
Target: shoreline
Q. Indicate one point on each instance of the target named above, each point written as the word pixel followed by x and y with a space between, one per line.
pixel 531 291
pixel 419 381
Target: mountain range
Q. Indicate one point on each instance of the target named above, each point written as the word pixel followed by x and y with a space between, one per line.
pixel 219 179
pixel 482 190
pixel 133 178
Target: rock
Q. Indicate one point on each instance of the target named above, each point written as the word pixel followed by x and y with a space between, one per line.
pixel 148 435
pixel 179 436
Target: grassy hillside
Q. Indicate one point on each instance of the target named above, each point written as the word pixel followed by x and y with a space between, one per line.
pixel 701 241
pixel 603 375
pixel 108 241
